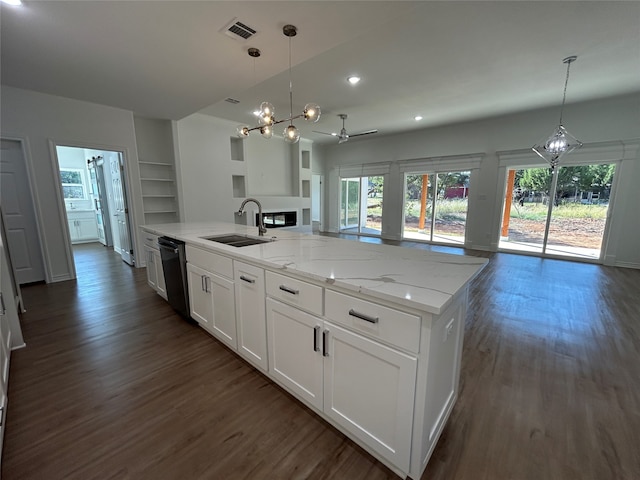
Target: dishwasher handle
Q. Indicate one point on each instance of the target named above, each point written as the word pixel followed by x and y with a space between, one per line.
pixel 170 244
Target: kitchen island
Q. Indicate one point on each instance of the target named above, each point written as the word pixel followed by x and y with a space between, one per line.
pixel 368 336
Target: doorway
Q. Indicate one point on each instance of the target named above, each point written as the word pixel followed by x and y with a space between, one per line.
pixel 94 193
pixel 560 213
pixel 19 215
pixel 317 182
pixel 361 201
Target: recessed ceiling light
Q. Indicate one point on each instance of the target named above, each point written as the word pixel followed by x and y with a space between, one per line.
pixel 417 118
pixel 15 3
pixel 353 79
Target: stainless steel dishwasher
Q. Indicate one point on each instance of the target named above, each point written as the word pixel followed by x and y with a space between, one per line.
pixel 174 265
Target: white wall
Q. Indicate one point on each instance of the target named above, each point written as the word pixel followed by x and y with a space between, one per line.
pixel 612 119
pixel 205 169
pixel 39 118
pixel 154 139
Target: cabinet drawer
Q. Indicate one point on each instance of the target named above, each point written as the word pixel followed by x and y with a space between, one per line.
pixel 150 239
pixel 210 261
pixel 295 292
pixel 392 326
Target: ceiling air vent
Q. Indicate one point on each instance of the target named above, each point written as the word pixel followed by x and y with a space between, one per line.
pixel 238 30
pixel 232 100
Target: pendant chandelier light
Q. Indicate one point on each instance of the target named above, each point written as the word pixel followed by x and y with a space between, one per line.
pixel 560 142
pixel 266 114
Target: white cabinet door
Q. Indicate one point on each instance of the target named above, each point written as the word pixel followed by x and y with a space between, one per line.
pixel 160 283
pixel 295 351
pixel 200 300
pixel 224 310
pixel 152 271
pixel 211 303
pixel 87 229
pixel 73 230
pixel 250 314
pixel 369 391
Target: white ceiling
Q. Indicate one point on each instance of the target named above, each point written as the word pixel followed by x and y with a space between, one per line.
pixel 448 61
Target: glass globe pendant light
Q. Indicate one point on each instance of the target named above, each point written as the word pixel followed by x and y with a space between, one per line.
pixel 266 113
pixel 560 142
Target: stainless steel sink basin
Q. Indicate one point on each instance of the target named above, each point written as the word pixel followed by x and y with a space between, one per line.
pixel 237 240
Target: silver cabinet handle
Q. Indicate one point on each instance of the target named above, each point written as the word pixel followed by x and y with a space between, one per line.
pixel 325 343
pixel 247 279
pixel 207 283
pixel 4 310
pixel 292 291
pixel 316 331
pixel 362 316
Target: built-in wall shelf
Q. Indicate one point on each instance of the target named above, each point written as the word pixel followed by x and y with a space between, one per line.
pixel 237 149
pixel 159 201
pixel 306 188
pixel 239 186
pixel 306 216
pixel 141 162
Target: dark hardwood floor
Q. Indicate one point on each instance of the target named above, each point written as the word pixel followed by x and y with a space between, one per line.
pixel 114 385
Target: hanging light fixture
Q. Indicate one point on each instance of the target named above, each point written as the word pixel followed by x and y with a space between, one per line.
pixel 560 142
pixel 266 114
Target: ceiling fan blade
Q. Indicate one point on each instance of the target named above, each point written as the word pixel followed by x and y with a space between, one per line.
pixel 324 133
pixel 368 132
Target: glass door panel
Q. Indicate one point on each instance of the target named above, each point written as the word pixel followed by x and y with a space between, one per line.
pixel 579 213
pixel 451 207
pixel 373 206
pixel 350 204
pixel 418 206
pixel 525 209
pixel 361 205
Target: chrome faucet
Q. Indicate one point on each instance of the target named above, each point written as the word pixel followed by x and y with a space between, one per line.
pixel 261 229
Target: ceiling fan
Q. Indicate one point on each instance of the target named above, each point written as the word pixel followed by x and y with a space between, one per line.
pixel 343 136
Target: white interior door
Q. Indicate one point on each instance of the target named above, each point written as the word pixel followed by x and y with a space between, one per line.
pixel 121 209
pixel 100 203
pixel 19 215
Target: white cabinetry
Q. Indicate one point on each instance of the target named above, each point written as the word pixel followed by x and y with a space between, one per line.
pixel 363 386
pixel 211 295
pixel 155 274
pixel 250 313
pixel 82 226
pixel 369 392
pixel 295 355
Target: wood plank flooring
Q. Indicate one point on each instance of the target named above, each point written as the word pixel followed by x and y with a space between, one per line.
pixel 114 385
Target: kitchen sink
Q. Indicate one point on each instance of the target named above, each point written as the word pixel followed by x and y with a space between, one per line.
pixel 237 240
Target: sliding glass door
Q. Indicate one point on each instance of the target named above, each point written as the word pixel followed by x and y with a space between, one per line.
pixel 563 213
pixel 436 205
pixel 361 205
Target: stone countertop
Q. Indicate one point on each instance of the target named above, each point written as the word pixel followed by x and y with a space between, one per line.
pixel 414 278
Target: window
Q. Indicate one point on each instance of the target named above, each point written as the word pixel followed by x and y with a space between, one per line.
pixel 73 186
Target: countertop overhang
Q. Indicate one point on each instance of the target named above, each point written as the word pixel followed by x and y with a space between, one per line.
pixel 413 278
